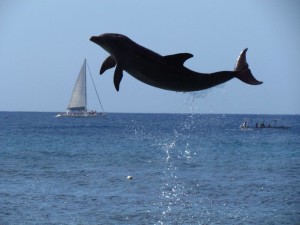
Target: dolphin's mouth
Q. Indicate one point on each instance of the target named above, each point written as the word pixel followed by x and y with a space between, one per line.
pixel 93 39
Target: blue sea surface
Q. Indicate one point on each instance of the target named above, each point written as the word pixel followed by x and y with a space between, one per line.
pixel 186 169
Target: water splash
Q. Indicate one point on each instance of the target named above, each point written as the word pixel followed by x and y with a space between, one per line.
pixel 192 96
pixel 174 190
pixel 194 100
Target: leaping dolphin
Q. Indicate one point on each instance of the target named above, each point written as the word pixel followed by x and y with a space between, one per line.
pixel 166 72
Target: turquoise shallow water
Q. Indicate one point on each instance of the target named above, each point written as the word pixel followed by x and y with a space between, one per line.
pixel 186 169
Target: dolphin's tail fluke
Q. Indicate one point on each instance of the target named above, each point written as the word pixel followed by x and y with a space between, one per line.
pixel 243 71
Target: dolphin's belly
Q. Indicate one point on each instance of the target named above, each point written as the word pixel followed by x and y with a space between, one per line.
pixel 164 77
pixel 153 75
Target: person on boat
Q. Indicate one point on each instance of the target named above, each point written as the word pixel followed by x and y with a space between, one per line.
pixel 245 124
pixel 262 125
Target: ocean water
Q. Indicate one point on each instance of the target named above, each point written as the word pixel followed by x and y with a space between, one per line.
pixel 186 169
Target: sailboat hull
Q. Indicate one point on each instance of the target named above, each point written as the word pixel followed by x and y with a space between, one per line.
pixel 83 114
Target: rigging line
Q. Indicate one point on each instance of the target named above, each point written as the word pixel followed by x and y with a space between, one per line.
pixel 95 87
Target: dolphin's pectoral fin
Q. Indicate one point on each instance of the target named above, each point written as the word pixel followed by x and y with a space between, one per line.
pixel 178 59
pixel 118 77
pixel 108 63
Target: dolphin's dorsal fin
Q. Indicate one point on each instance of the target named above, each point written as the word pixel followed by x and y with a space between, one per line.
pixel 118 77
pixel 108 63
pixel 178 59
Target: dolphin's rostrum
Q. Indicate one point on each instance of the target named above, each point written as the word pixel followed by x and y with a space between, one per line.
pixel 166 72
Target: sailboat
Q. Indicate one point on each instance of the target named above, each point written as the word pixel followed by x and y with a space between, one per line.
pixel 78 103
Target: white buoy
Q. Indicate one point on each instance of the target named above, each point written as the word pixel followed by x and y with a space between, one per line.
pixel 129 177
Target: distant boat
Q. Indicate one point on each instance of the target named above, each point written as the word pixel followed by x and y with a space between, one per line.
pixel 78 103
pixel 261 125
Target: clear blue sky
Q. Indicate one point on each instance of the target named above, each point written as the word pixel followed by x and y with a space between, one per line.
pixel 43 44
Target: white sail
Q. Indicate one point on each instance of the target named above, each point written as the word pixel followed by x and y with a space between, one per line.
pixel 78 103
pixel 78 98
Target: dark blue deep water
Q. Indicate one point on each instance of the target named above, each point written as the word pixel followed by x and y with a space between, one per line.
pixel 186 169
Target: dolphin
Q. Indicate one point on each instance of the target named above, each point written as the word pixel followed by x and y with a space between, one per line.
pixel 166 72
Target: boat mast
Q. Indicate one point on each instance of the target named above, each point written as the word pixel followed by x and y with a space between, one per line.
pixel 95 88
pixel 85 86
